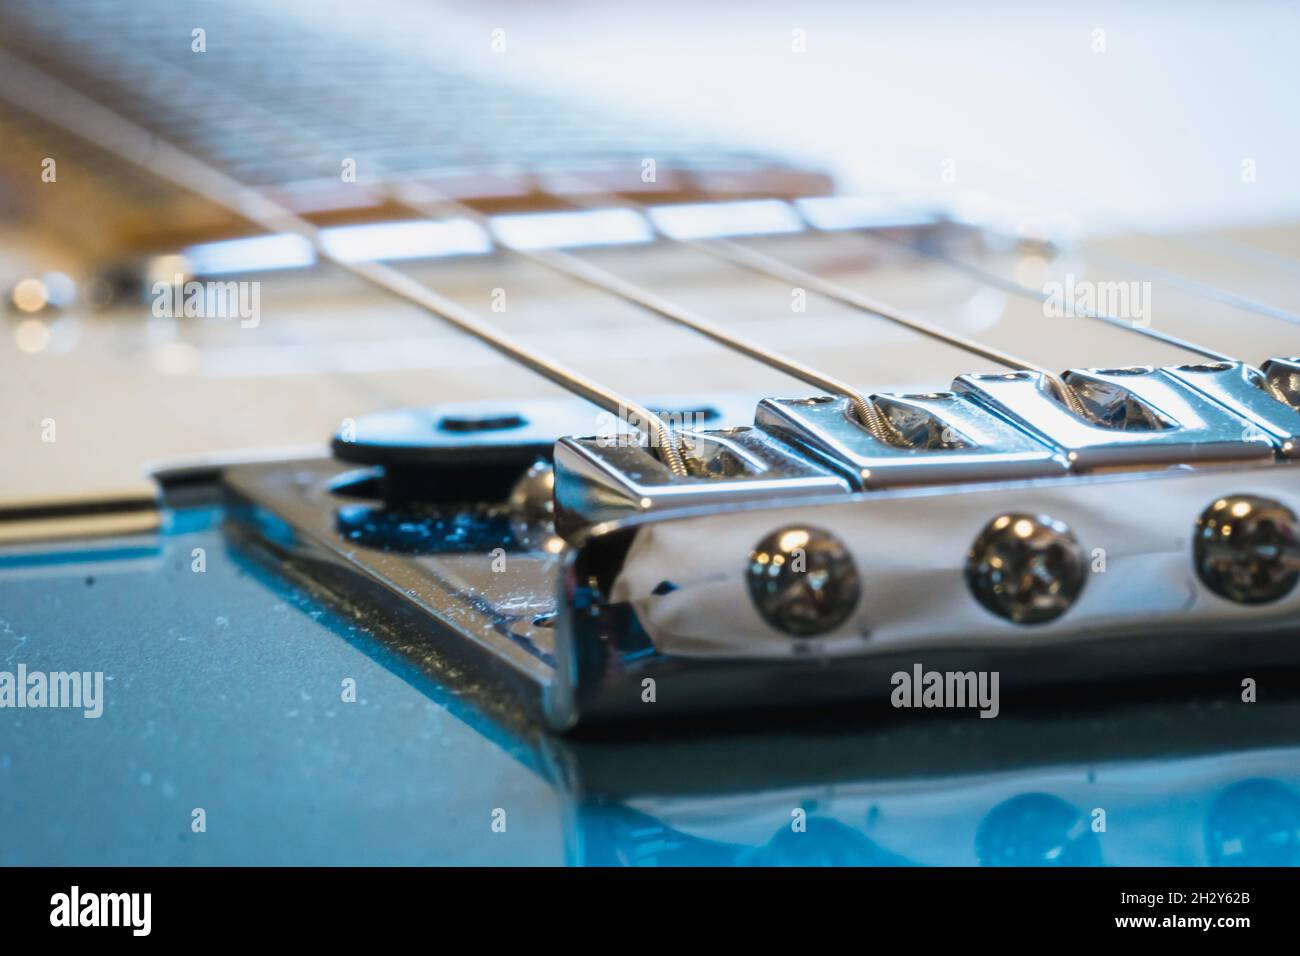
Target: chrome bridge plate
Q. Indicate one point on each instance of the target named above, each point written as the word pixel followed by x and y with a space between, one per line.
pixel 655 616
pixel 1149 531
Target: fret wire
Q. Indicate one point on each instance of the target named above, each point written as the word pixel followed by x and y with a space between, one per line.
pixel 1016 288
pixel 741 255
pixel 85 118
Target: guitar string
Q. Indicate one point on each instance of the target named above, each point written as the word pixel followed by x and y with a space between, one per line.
pixel 1008 285
pixel 996 281
pixel 1113 214
pixel 1198 286
pixel 1016 288
pixel 1242 252
pixel 111 132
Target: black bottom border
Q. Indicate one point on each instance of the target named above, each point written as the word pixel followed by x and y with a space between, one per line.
pixel 337 905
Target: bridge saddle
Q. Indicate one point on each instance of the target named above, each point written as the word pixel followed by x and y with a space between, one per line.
pixel 989 428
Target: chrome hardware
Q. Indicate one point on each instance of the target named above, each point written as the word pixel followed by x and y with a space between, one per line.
pixel 1244 391
pixel 941 438
pixel 802 581
pixel 575 634
pixel 532 506
pixel 453 435
pixel 599 479
pixel 1283 377
pixel 1247 549
pixel 1028 569
pixel 1135 417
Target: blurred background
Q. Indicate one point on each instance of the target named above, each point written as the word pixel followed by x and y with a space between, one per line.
pixel 1114 113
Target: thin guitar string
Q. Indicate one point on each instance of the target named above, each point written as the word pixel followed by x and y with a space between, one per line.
pixel 1016 288
pixel 984 277
pixel 1169 277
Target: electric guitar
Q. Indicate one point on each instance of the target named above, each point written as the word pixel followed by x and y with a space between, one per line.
pixel 656 468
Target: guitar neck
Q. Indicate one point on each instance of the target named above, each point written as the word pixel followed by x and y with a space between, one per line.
pixel 327 127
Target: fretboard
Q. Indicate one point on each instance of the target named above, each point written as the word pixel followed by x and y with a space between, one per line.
pixel 319 123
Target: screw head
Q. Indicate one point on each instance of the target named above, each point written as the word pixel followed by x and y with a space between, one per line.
pixel 802 580
pixel 1026 568
pixel 1247 549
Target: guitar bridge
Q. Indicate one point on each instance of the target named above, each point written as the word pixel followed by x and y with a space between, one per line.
pixel 804 558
